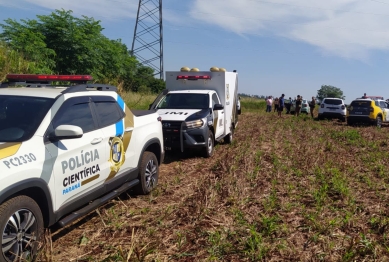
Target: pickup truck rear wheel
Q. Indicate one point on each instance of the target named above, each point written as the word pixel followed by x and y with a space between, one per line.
pixel 208 150
pixel 148 173
pixel 21 223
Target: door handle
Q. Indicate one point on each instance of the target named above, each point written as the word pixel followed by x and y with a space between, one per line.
pixel 128 129
pixel 96 140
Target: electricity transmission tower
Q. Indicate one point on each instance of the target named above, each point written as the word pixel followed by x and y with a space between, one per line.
pixel 147 44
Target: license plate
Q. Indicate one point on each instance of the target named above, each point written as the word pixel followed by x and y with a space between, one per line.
pixel 358 113
pixel 168 148
pixel 332 109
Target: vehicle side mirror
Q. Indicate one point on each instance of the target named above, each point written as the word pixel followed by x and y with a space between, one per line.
pixel 218 107
pixel 66 132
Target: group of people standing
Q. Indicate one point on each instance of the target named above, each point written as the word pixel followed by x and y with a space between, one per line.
pixel 279 104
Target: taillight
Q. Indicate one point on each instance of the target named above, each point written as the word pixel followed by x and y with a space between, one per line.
pixel 305 104
pixel 159 119
pixel 343 107
pixel 322 105
pixel 371 109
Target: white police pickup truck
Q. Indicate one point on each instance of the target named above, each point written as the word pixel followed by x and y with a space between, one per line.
pixel 65 150
pixel 198 108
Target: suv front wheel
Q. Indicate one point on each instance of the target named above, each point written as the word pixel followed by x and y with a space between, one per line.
pixel 21 223
pixel 208 150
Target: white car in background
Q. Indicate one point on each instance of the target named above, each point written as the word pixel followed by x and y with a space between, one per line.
pixel 304 107
pixel 332 108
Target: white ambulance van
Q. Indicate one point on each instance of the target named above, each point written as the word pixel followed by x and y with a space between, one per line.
pixel 198 108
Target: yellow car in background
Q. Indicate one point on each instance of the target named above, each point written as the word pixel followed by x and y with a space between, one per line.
pixel 367 110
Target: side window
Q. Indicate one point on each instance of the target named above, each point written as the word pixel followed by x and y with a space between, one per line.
pixel 215 100
pixel 108 112
pixel 77 115
pixel 377 103
pixel 383 104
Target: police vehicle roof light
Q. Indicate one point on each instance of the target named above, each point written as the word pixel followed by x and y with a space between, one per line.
pixel 26 77
pixel 193 77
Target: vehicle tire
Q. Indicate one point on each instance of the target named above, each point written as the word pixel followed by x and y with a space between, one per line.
pixel 350 123
pixel 21 223
pixel 148 173
pixel 378 122
pixel 208 150
pixel 343 119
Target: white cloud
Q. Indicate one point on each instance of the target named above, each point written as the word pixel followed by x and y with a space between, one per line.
pixel 346 28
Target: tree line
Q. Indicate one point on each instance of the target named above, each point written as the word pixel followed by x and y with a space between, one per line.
pixel 60 43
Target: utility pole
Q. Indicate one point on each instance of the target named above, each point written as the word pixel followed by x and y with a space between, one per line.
pixel 147 44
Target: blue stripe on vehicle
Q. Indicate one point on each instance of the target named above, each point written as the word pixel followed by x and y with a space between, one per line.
pixel 120 124
pixel 120 102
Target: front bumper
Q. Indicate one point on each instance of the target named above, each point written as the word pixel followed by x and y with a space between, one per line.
pixel 190 138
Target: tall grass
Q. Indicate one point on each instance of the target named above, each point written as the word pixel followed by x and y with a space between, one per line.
pixel 252 104
pixel 137 100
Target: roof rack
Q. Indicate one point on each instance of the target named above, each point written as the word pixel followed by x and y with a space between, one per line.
pixel 80 82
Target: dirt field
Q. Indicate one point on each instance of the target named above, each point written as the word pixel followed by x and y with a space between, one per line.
pixel 289 189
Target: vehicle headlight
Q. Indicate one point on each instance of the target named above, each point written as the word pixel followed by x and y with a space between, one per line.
pixel 194 124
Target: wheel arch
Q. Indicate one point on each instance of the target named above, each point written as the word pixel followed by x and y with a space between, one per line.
pixel 154 146
pixel 36 189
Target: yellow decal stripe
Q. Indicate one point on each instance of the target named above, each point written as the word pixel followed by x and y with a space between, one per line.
pixel 9 149
pixel 86 181
pixel 111 175
pixel 128 122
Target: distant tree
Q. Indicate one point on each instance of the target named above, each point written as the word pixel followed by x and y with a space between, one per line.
pixel 329 91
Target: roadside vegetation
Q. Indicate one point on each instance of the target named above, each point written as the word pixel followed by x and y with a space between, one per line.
pixel 60 43
pixel 286 189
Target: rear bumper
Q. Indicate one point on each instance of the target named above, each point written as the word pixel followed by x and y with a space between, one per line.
pixel 360 119
pixel 332 115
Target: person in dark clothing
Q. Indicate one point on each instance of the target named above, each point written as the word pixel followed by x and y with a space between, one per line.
pixel 281 104
pixel 312 105
pixel 298 105
pixel 276 100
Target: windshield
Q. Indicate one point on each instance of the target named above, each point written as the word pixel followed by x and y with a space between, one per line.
pixel 184 101
pixel 20 116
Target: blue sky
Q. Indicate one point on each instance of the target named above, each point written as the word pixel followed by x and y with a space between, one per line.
pixel 277 46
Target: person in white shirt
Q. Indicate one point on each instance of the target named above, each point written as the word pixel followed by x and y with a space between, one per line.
pixel 269 102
